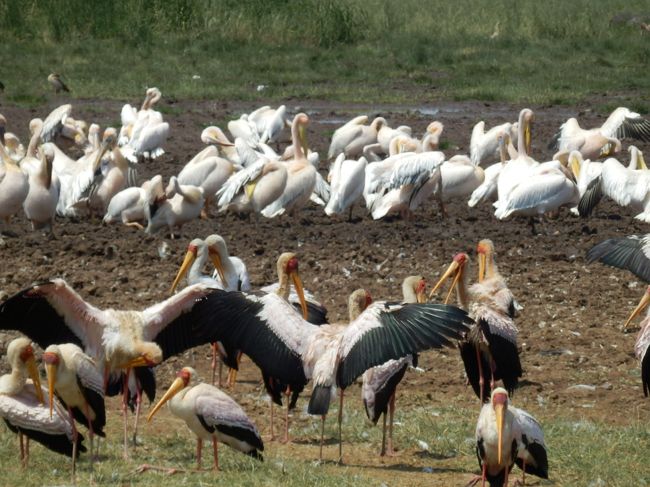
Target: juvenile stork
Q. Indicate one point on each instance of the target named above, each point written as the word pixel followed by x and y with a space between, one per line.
pixel 211 415
pixel 380 383
pixel 23 410
pixel 118 340
pixel 74 377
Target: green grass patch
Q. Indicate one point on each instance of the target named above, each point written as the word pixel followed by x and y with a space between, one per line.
pixel 378 50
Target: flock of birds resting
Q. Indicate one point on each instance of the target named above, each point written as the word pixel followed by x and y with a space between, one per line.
pixel 90 353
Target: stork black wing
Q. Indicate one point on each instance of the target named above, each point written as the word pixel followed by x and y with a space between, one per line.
pixel 405 329
pixel 624 253
pixel 35 317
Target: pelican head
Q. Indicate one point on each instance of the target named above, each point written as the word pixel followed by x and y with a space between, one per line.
pixel 214 135
pixel 190 257
pixel 485 249
pixel 288 268
pixel 183 378
pixel 358 301
pixel 147 354
pixel 301 121
pixel 499 401
pixel 455 270
pixel 217 251
pixel 643 304
pixel 51 359
pixel 526 118
pixel 20 355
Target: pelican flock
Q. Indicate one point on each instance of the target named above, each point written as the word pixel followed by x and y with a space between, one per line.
pixel 73 171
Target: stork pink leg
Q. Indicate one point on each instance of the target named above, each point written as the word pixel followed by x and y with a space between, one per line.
pixel 340 426
pixel 480 373
pixel 125 400
pixel 26 451
pixel 391 411
pixel 214 364
pixel 286 416
pixel 199 447
pixel 383 438
pixel 272 425
pixel 138 405
pixel 215 451
pixel 22 449
pixel 91 433
pixel 75 436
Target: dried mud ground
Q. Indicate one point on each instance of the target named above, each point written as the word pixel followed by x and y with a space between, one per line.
pixel 570 328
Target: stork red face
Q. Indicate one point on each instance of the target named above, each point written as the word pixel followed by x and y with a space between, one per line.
pixel 27 357
pixel 190 257
pixel 291 269
pixel 292 265
pixel 421 291
pixel 185 375
pixel 368 299
pixel 27 353
pixel 181 382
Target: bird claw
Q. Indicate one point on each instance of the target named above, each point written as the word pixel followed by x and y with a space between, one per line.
pixel 474 481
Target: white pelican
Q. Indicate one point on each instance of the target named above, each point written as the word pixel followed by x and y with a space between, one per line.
pixel 243 128
pixel 497 431
pixel 643 341
pixel 117 340
pixel 488 190
pixel 517 168
pixel 460 177
pixel 209 173
pixel 401 182
pixel 352 137
pixel 347 178
pixel 183 204
pixel 254 188
pixel 484 146
pixel 379 383
pixel 627 187
pixel 489 351
pixel 211 415
pixel 43 196
pixel 604 140
pixel 116 176
pixel 14 186
pixel 57 83
pixel 129 205
pixel 386 134
pixel 301 174
pixel 23 409
pixel 290 349
pixel 273 124
pixel 147 133
pixel 74 377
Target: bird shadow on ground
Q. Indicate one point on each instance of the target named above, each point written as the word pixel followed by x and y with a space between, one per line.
pixel 315 441
pixel 404 467
pixel 434 455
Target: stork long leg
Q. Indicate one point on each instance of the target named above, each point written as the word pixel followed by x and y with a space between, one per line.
pixel 383 437
pixel 484 473
pixel 322 433
pixel 138 405
pixel 75 436
pixel 214 364
pixel 340 432
pixel 480 373
pixel 232 375
pixel 285 439
pixel 91 433
pixel 391 411
pixel 26 451
pixel 125 400
pixel 22 448
pixel 199 447
pixel 523 472
pixel 215 451
pixel 272 423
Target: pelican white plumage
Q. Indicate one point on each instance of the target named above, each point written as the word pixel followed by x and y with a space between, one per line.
pixel 43 196
pixel 604 140
pixel 129 205
pixel 627 187
pixel 401 182
pixel 211 415
pixel 484 146
pixel 488 190
pixel 460 177
pixel 14 186
pixel 22 406
pixel 209 173
pixel 254 188
pixel 182 204
pixel 352 137
pixel 148 132
pixel 272 125
pixel 347 178
pixel 243 128
pixel 301 174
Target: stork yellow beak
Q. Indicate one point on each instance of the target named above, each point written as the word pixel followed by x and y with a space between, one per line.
pixel 50 371
pixel 451 271
pixel 187 262
pixel 216 261
pixel 421 296
pixel 140 361
pixel 481 266
pixel 300 291
pixel 500 413
pixel 177 386
pixel 32 370
pixel 645 300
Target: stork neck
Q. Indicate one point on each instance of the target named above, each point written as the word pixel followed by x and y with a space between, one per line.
pixel 285 285
pixel 13 382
